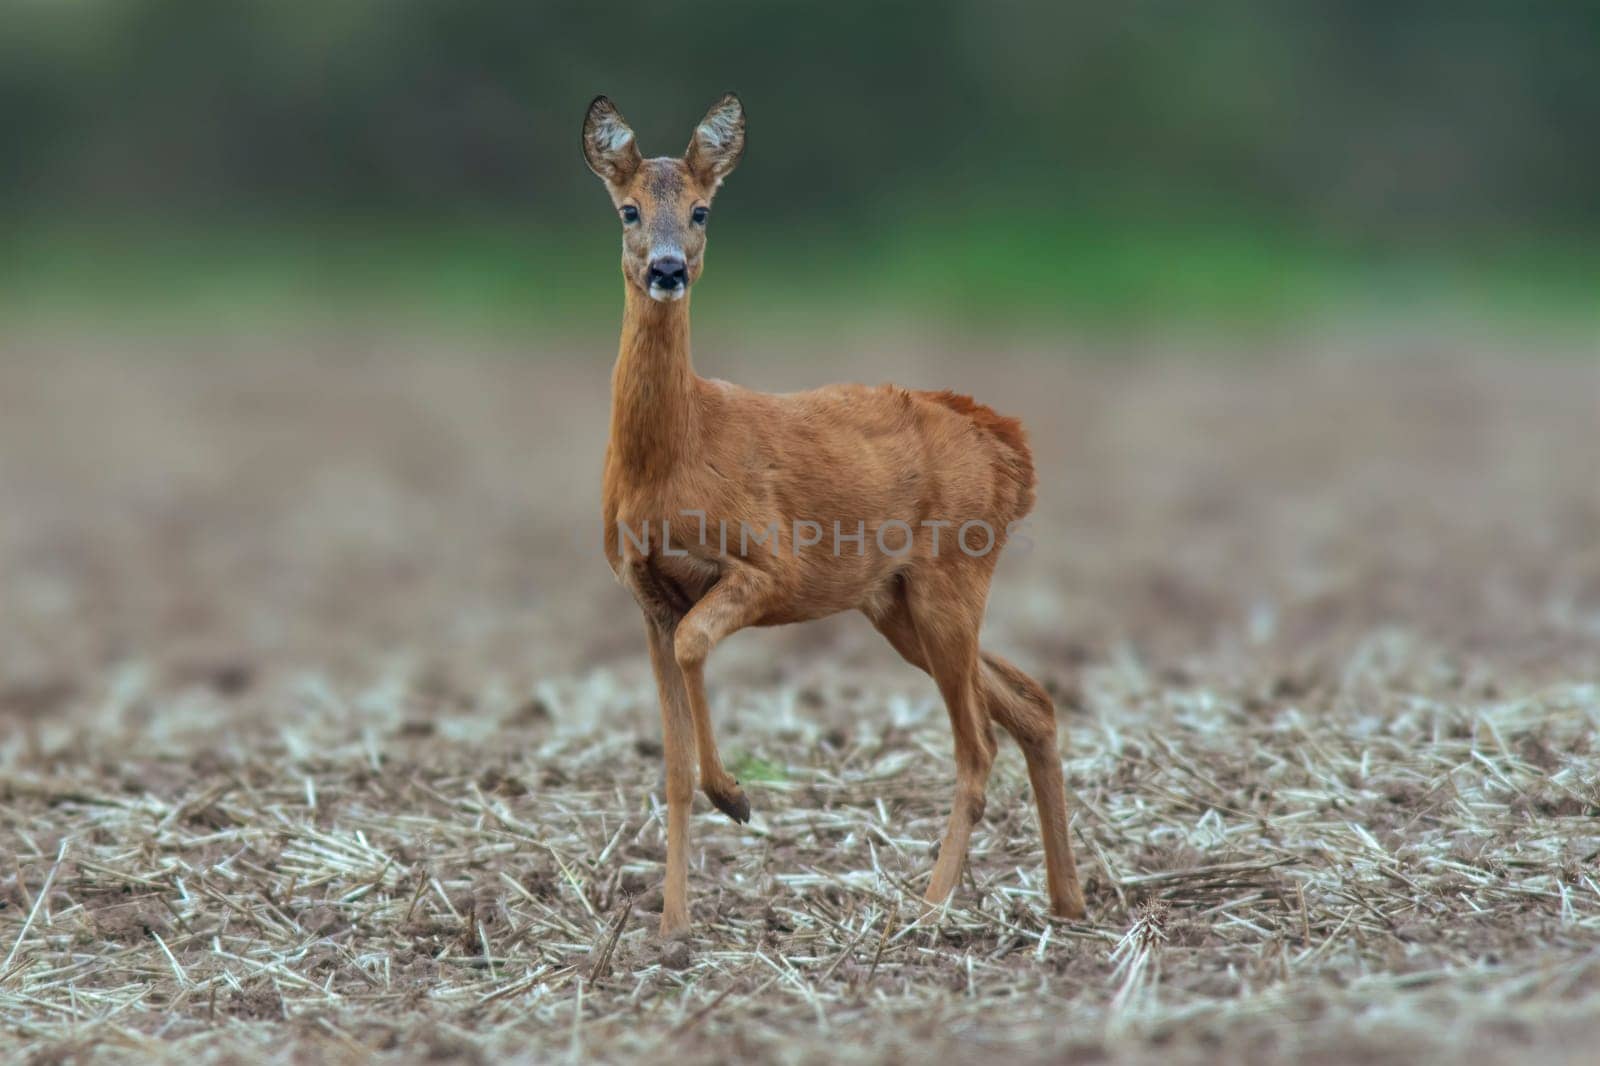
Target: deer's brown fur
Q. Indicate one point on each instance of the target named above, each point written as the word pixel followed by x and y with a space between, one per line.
pixel 911 467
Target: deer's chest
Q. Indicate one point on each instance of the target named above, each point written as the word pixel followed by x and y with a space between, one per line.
pixel 665 552
pixel 685 514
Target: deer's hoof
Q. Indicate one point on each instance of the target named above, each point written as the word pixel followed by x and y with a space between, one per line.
pixel 1070 908
pixel 674 922
pixel 732 802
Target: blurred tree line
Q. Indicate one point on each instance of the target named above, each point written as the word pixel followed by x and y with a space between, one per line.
pixel 1358 116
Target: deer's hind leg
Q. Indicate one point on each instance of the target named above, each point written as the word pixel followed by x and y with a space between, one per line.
pixel 934 622
pixel 1020 705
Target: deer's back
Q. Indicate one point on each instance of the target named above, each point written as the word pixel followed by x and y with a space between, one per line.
pixel 875 452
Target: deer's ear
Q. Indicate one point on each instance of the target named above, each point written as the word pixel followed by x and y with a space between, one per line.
pixel 718 141
pixel 609 146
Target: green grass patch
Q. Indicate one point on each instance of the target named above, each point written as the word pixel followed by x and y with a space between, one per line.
pixel 961 269
pixel 748 767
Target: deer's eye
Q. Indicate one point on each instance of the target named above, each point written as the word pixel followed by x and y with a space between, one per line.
pixel 699 216
pixel 630 214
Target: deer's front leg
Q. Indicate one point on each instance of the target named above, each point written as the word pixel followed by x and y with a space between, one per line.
pixel 677 746
pixel 737 599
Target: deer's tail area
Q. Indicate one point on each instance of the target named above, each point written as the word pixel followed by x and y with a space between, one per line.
pixel 1015 458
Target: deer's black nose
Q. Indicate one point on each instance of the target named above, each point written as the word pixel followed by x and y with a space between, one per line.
pixel 669 273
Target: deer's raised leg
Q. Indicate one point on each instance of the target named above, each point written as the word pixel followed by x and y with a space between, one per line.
pixel 677 746
pixel 735 601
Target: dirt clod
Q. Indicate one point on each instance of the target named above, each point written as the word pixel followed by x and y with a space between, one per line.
pixel 677 955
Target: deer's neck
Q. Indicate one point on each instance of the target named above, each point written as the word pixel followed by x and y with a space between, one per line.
pixel 653 404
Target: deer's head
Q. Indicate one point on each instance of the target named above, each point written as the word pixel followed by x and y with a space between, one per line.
pixel 664 202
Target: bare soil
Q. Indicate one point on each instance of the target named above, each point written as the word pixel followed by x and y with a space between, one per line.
pixel 328 736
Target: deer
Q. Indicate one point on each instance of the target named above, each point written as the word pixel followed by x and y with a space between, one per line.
pixel 903 474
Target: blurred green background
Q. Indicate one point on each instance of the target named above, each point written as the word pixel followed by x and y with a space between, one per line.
pixel 998 163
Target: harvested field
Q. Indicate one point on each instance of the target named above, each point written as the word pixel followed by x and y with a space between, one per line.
pixel 327 734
